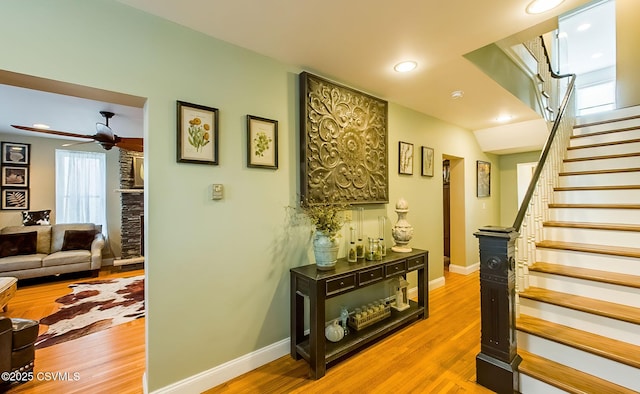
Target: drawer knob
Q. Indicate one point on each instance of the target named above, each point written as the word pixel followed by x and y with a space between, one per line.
pixel 341 283
pixel 372 274
pixel 397 268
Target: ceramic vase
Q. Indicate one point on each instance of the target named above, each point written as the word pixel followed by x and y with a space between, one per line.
pixel 334 331
pixel 325 250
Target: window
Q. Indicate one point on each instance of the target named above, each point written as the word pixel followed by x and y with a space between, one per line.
pixel 80 187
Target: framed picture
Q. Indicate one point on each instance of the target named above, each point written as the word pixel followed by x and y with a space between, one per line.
pixel 262 142
pixel 17 199
pixel 405 158
pixel 483 175
pixel 427 161
pixel 197 134
pixel 15 153
pixel 344 146
pixel 15 176
pixel 138 172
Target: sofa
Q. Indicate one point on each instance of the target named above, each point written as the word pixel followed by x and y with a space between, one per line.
pixel 34 251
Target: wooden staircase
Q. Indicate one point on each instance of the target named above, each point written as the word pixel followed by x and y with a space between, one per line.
pixel 579 322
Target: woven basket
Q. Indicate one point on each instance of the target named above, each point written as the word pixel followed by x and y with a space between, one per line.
pixel 371 318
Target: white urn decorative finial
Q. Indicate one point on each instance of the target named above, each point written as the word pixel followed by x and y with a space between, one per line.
pixel 403 231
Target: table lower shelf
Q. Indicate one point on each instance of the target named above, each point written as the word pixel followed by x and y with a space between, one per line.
pixel 356 339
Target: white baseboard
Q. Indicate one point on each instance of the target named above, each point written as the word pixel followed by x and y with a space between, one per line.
pixel 215 376
pixel 464 270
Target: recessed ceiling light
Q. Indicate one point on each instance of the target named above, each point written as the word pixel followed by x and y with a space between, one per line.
pixel 404 67
pixel 504 118
pixel 457 94
pixel 41 126
pixel 583 27
pixel 540 6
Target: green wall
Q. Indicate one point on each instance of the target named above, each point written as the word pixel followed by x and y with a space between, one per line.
pixel 509 181
pixel 217 271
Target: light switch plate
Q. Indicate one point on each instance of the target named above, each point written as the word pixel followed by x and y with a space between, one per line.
pixel 216 191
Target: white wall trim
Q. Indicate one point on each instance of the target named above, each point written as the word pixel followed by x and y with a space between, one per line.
pixel 222 373
pixel 464 270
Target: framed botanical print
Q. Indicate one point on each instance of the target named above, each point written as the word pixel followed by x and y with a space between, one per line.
pixel 15 176
pixel 483 177
pixel 262 142
pixel 197 134
pixel 15 153
pixel 15 199
pixel 427 161
pixel 405 158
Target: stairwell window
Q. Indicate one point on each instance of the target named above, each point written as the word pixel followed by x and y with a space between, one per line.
pixel 81 187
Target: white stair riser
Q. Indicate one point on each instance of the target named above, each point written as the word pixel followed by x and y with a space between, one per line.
pixel 611 117
pixel 599 325
pixel 530 385
pixel 585 288
pixel 592 236
pixel 595 261
pixel 601 164
pixel 630 196
pixel 604 150
pixel 600 138
pixel 611 179
pixel 595 215
pixel 603 368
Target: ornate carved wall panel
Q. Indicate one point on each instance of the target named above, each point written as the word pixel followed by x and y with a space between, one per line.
pixel 344 147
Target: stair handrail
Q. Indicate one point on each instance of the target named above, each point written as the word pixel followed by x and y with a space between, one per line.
pixel 522 211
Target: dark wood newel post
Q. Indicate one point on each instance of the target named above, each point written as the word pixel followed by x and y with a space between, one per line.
pixel 497 363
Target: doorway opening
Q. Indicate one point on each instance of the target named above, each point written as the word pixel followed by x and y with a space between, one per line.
pixel 453 193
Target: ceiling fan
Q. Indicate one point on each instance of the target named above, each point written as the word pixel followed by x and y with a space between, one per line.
pixel 103 136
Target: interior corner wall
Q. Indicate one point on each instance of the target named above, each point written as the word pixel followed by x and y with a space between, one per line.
pixel 627 53
pixel 42 185
pixel 209 253
pixel 509 184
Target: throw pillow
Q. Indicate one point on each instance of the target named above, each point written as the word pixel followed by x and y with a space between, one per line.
pixel 78 239
pixel 35 218
pixel 18 243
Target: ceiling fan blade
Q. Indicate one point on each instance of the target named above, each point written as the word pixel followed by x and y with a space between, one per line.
pixel 63 133
pixel 130 143
pixel 78 143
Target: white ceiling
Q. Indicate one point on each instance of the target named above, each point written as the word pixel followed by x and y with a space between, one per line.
pixel 353 42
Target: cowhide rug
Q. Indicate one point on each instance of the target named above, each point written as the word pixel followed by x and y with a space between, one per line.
pixel 94 306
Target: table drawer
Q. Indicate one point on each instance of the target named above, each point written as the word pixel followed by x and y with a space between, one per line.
pixel 415 263
pixel 370 276
pixel 396 268
pixel 343 283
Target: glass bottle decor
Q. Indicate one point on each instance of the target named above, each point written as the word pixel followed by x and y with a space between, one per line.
pixel 377 252
pixel 352 253
pixel 359 229
pixel 382 221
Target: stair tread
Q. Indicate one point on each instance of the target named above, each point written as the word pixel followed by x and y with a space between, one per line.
pixel 600 122
pixel 607 187
pixel 601 144
pixel 596 172
pixel 612 349
pixel 596 206
pixel 602 157
pixel 587 273
pixel 593 226
pixel 565 378
pixel 589 305
pixel 590 248
pixel 622 129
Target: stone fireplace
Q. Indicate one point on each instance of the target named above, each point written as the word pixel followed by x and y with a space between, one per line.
pixel 132 221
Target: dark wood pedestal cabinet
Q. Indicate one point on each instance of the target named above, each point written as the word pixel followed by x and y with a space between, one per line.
pixel 308 281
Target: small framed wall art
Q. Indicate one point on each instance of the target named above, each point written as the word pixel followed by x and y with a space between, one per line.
pixel 15 153
pixel 15 176
pixel 262 142
pixel 427 161
pixel 15 199
pixel 197 134
pixel 405 158
pixel 483 176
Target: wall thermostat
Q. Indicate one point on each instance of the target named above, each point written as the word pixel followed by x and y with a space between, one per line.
pixel 216 192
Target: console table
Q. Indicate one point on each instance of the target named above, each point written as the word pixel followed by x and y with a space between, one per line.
pixel 321 285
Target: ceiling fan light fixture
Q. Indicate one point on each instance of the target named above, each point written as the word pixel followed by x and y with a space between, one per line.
pixel 405 66
pixel 41 126
pixel 540 6
pixel 457 94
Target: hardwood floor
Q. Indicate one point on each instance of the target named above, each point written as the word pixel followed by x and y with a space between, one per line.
pixel 436 355
pixel 109 361
pixel 432 356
